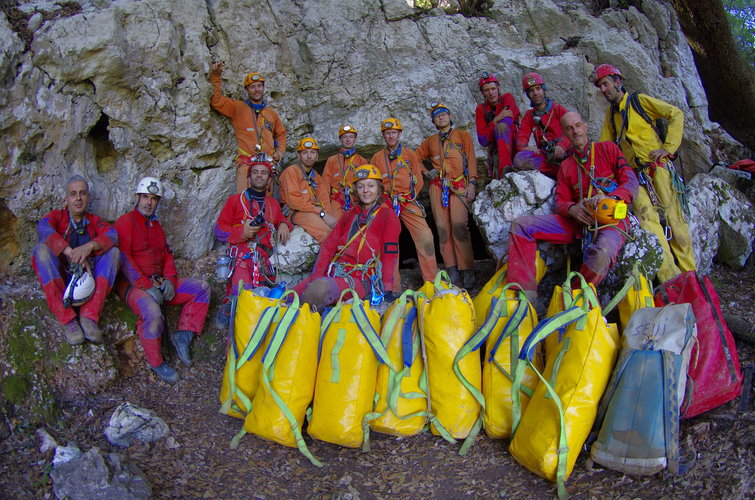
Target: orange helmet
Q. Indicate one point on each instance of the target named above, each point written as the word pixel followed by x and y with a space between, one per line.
pixel 253 77
pixel 610 211
pixel 367 172
pixel 307 143
pixel 531 79
pixel 602 71
pixel 346 129
pixel 390 124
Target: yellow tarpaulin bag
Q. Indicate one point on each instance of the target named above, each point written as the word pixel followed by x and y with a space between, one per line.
pixel 510 321
pixel 549 434
pixel 635 294
pixel 350 350
pixel 252 316
pixel 289 366
pixel 401 408
pixel 453 373
pixel 494 285
pixel 565 297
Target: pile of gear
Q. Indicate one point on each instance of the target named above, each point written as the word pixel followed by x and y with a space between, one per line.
pixel 550 384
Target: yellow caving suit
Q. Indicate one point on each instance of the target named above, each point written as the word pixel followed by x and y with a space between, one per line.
pixel 637 140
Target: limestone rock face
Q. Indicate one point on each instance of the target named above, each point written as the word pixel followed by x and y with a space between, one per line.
pixel 118 90
pixel 503 200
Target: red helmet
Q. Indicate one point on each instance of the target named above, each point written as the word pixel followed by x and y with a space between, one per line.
pixel 260 159
pixel 602 71
pixel 531 79
pixel 487 78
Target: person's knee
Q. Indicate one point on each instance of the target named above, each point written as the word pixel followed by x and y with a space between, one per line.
pixel 522 161
pixel 43 253
pixel 461 232
pixel 442 234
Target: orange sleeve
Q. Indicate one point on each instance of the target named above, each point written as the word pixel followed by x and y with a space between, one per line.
pixel 378 160
pixel 468 148
pixel 417 168
pixel 329 172
pixel 219 102
pixel 425 152
pixel 294 190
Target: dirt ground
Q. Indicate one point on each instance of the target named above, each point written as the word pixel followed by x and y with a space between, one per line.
pixel 202 464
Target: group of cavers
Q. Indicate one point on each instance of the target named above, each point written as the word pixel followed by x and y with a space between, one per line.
pixel 356 208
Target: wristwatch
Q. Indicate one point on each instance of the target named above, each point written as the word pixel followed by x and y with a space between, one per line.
pixel 322 214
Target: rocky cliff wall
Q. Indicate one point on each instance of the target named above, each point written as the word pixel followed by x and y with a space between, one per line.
pixel 118 90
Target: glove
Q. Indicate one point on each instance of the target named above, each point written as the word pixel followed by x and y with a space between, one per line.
pixel 156 294
pixel 168 290
pixel 432 174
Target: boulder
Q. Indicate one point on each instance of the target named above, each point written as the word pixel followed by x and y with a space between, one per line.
pixel 295 259
pixel 129 422
pixel 503 200
pixel 118 90
pixel 93 475
pixel 721 222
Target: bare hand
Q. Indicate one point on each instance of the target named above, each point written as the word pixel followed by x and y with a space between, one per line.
pixel 283 233
pixel 216 68
pixel 505 113
pixel 580 212
pixel 595 200
pixel 330 220
pixel 659 154
pixel 559 153
pixel 80 254
pixel 249 229
pixel 471 192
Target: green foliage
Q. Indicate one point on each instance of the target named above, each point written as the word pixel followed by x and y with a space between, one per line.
pixel 741 14
pixel 15 388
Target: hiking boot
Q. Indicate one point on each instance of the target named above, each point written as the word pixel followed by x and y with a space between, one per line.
pixel 468 278
pixel 73 333
pixel 166 372
pixel 181 340
pixel 223 316
pixel 453 274
pixel 91 330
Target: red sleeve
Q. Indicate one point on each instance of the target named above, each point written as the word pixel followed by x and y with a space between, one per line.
pixel 565 196
pixel 625 175
pixel 229 227
pixel 104 234
pixel 329 247
pixel 389 253
pixel 276 215
pixel 508 100
pixel 484 130
pixel 525 131
pixel 125 230
pixel 48 233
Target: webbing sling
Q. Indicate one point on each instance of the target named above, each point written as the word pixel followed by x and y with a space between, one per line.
pixel 633 281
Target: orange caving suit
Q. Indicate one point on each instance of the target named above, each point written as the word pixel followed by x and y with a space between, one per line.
pixel 637 139
pixel 338 174
pixel 402 178
pixel 266 129
pixel 306 197
pixel 450 209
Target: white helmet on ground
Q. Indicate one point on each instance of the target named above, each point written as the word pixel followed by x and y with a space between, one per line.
pixel 79 290
pixel 150 185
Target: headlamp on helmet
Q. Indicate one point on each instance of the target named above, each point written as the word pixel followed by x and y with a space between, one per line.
pixel 532 79
pixel 486 77
pixel 346 129
pixel 437 108
pixel 367 172
pixel 253 78
pixel 307 143
pixel 150 185
pixel 390 124
pixel 80 288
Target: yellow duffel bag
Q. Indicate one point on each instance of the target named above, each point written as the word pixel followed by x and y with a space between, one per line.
pixel 252 316
pixel 494 285
pixel 350 350
pixel 401 407
pixel 635 294
pixel 508 324
pixel 289 367
pixel 565 297
pixel 454 377
pixel 549 434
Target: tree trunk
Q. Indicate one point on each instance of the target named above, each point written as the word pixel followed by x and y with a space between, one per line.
pixel 727 79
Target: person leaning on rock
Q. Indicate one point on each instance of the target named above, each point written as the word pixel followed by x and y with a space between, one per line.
pixel 149 280
pixel 453 183
pixel 305 195
pixel 544 121
pixel 401 170
pixel 338 173
pixel 72 236
pixel 497 122
pixel 258 127
pixel 252 224
pixel 594 173
pixel 361 252
pixel 660 186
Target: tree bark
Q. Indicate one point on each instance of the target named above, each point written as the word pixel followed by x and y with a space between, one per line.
pixel 727 79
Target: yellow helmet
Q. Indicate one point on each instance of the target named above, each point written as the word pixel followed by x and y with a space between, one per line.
pixel 437 108
pixel 307 143
pixel 346 129
pixel 253 77
pixel 390 124
pixel 367 172
pixel 610 211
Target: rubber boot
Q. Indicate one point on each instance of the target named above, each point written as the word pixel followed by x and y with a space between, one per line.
pixel 453 275
pixel 223 316
pixel 181 340
pixel 468 278
pixel 166 372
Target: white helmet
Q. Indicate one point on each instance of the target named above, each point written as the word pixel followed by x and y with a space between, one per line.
pixel 150 185
pixel 80 289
